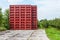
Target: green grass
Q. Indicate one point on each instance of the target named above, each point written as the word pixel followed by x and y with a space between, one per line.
pixel 53 33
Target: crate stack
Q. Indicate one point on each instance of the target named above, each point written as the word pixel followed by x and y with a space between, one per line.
pixel 23 17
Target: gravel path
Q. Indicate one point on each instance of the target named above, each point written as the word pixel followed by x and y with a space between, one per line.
pixel 23 35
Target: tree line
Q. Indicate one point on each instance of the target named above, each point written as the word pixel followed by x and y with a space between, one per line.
pixel 49 23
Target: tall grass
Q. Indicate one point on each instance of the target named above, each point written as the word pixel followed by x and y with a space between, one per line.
pixel 53 33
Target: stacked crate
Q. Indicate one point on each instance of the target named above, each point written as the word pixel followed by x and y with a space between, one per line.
pixel 23 17
pixel 34 17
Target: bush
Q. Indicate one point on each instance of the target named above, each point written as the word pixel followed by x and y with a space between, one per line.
pixel 55 23
pixel 2 28
pixel 43 23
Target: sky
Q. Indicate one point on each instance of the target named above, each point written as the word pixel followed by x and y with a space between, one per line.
pixel 46 9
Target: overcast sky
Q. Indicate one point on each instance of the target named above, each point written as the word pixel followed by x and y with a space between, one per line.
pixel 46 9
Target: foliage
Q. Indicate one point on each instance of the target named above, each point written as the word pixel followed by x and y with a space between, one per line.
pixel 47 23
pixel 44 23
pixel 55 23
pixel 6 18
pixel 2 29
pixel 1 17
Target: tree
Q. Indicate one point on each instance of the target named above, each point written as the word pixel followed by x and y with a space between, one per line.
pixel 6 18
pixel 1 17
pixel 44 23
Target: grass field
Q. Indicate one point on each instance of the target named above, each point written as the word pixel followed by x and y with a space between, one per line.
pixel 53 33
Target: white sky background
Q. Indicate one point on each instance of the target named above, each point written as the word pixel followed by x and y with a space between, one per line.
pixel 46 9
